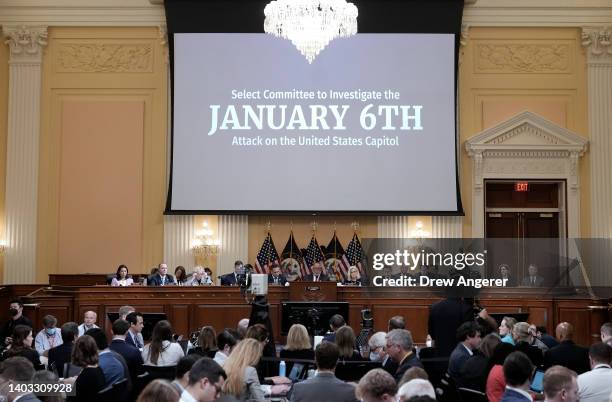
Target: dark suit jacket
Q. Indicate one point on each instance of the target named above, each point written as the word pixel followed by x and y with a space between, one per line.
pixel 390 366
pixel 324 387
pixel 228 279
pixel 331 337
pixel 457 360
pixel 357 282
pixel 281 279
pixel 322 278
pixel 407 363
pixel 156 280
pixel 527 281
pixel 511 395
pixel 131 355
pixel 60 355
pixel 570 355
pixel 533 353
pixel 444 318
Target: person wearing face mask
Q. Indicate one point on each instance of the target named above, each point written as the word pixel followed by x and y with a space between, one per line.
pixel 17 318
pixel 49 337
pixel 378 353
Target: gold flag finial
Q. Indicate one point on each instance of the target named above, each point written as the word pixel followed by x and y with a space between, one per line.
pixel 355 226
pixel 314 226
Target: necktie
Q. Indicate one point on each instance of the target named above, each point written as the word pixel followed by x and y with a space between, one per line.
pixel 276 280
pixel 316 278
pixel 163 280
pixel 533 280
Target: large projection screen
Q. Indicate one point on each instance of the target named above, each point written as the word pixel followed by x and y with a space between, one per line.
pixel 369 126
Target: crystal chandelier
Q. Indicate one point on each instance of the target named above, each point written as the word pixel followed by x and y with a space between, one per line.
pixel 310 24
pixel 204 245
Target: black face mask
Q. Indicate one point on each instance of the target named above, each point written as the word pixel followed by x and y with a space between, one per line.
pixel 13 312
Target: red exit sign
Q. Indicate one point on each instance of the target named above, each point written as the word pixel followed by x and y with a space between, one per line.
pixel 521 186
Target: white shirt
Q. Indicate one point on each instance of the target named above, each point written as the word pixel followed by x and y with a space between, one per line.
pixel 82 329
pixel 44 342
pixel 595 385
pixel 170 355
pixel 220 358
pixel 186 397
pixel 469 350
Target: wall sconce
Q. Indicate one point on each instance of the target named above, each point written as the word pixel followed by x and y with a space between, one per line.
pixel 204 245
pixel 3 246
pixel 418 232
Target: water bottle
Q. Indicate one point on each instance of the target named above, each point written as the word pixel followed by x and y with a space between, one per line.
pixel 282 369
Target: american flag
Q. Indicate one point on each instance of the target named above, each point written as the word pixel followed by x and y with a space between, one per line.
pixel 354 254
pixel 336 256
pixel 266 256
pixel 313 254
pixel 292 252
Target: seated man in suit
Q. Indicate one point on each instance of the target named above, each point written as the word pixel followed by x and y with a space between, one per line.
pixel 317 274
pixel 231 279
pixel 400 350
pixel 276 277
pixel 468 335
pixel 324 384
pixel 199 278
pixel 533 279
pixel 560 385
pixel 130 353
pixel 335 322
pixel 60 355
pixel 134 334
pixel 567 353
pixel 162 277
pixel 517 372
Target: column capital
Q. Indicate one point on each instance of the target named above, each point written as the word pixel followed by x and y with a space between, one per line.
pixel 597 41
pixel 26 43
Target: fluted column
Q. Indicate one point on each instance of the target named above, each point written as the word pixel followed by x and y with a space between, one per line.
pixel 599 63
pixel 447 227
pixel 234 238
pixel 179 230
pixel 26 48
pixel 393 227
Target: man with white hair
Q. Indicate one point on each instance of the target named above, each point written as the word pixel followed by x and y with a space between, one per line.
pixel 199 278
pixel 242 327
pixel 416 387
pixel 399 348
pixel 89 322
pixel 377 344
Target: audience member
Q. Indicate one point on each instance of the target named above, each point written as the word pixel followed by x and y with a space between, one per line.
pixel 345 339
pixel 504 273
pixel 242 381
pixel 596 385
pixel 60 355
pixel 181 377
pixel 335 322
pixel 416 387
pixel 159 391
pixel 89 322
pixel 474 372
pixel 17 318
pixel 162 277
pixel 445 317
pixel 125 310
pixel 378 352
pixel 180 276
pixel 18 369
pixel 49 337
pixel 324 385
pixel 114 368
pixel 396 322
pixel 533 279
pixel 199 278
pixel 46 376
pixel 468 337
pixel 354 277
pixel 231 279
pixel 535 341
pixel 606 333
pixel 317 273
pixel 207 343
pixel 261 333
pixel 505 329
pixel 546 339
pixel 413 373
pixel 91 378
pixel 22 345
pixel 399 348
pixel 130 353
pixel 567 353
pixel 242 327
pixel 206 379
pixel 522 342
pixel 162 351
pixel 134 334
pixel 122 278
pixel 560 385
pixel 496 383
pixel 298 344
pixel 226 343
pixel 517 372
pixel 276 277
pixel 377 386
